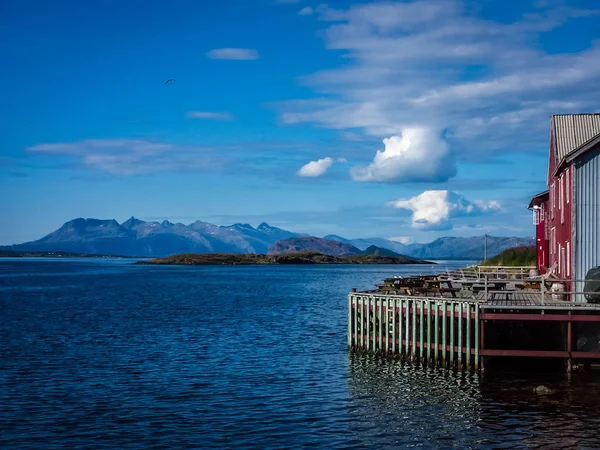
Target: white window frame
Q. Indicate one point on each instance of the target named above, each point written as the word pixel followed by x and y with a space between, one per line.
pixel 567 186
pixel 561 205
pixel 560 261
pixel 552 240
pixel 568 258
pixel 552 200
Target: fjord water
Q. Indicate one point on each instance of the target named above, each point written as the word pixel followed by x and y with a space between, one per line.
pixel 106 354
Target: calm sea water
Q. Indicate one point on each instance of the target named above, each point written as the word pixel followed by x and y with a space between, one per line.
pixel 105 354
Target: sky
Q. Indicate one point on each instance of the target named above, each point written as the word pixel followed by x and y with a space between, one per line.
pixel 408 120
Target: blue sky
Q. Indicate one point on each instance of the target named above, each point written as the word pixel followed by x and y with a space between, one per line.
pixel 406 120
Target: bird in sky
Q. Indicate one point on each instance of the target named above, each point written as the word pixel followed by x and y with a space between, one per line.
pixel 169 80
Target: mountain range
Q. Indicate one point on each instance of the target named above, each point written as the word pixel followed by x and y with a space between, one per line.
pixel 136 237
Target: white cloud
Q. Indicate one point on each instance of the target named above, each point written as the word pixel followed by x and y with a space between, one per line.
pixel 433 210
pixel 418 154
pixel 316 168
pixel 435 64
pixel 210 115
pixel 401 239
pixel 132 157
pixel 242 54
pixel 306 11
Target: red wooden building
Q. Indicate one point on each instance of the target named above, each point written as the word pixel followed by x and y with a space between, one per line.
pixel 567 215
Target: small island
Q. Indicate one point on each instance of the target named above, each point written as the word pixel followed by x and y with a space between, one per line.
pixel 304 257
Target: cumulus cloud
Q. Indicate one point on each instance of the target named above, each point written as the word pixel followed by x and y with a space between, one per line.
pixel 433 210
pixel 306 11
pixel 316 168
pixel 242 54
pixel 132 157
pixel 436 64
pixel 210 115
pixel 418 154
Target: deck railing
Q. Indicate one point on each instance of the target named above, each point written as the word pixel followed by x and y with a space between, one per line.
pixel 550 288
pixel 506 272
pixel 432 331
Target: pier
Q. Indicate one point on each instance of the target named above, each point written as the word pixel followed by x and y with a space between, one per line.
pixel 463 320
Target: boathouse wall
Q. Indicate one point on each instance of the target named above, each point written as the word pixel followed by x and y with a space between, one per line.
pixel 559 218
pixel 587 213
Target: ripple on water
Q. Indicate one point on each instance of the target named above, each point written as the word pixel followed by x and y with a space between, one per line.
pixel 111 355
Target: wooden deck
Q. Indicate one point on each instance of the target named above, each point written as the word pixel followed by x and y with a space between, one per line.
pixel 531 300
pixel 443 321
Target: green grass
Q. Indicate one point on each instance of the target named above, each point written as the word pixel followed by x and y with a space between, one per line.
pixel 517 256
pixel 304 257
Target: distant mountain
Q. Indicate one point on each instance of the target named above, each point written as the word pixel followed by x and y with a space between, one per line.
pixel 314 244
pixel 374 250
pixel 446 247
pixel 465 247
pixel 364 243
pixel 136 237
pixel 335 237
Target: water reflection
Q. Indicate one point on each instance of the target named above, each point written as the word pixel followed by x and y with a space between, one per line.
pixel 397 404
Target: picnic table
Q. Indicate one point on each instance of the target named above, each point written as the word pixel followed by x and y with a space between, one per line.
pixel 421 286
pixel 437 287
pixel 473 287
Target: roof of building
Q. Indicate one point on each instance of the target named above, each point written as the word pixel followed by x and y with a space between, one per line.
pixel 573 131
pixel 538 199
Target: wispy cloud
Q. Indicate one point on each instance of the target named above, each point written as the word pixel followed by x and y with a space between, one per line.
pixel 306 11
pixel 133 157
pixel 210 115
pixel 433 210
pixel 401 239
pixel 432 64
pixel 242 54
pixel 318 168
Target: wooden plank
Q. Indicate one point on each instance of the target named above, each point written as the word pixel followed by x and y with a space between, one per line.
pixel 444 321
pixel 421 326
pixel 468 340
pixel 394 302
pixel 437 332
pixel 460 337
pixel 374 333
pixel 414 329
pixel 429 311
pixel 380 314
pixel 452 335
pixel 476 338
pixel 362 322
pixel 350 310
pixel 368 323
pixel 407 331
pixel 387 326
